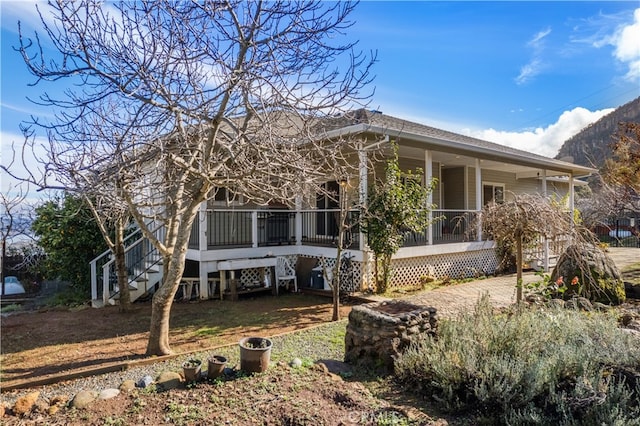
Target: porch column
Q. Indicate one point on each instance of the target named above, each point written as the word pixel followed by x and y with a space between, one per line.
pixel 254 229
pixel 428 175
pixel 203 223
pixel 203 246
pixel 571 196
pixel 362 187
pixel 545 246
pixel 298 220
pixel 479 197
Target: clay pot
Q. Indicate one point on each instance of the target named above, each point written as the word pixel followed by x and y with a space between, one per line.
pixel 255 353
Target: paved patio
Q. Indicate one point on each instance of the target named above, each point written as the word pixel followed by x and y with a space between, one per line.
pixel 453 299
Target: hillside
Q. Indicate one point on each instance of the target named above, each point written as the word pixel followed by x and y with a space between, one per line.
pixel 591 146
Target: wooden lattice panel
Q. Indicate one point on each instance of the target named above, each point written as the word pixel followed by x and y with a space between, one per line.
pixel 351 281
pixel 407 272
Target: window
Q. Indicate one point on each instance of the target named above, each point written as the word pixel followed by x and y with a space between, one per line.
pixel 492 192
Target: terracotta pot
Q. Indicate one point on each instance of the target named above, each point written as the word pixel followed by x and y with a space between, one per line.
pixel 255 353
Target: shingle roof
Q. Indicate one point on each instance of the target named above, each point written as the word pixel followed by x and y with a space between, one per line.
pixel 398 127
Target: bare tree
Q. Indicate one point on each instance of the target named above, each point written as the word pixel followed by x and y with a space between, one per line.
pixel 14 220
pixel 523 219
pixel 200 95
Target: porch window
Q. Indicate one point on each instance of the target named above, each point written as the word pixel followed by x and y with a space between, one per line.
pixel 492 192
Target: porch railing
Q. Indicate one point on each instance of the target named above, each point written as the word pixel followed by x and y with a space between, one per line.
pixel 230 228
pixel 320 228
pixel 449 226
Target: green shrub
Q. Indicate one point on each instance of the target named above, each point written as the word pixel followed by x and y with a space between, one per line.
pixel 533 366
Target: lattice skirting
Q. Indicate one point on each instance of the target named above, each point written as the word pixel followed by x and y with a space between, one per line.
pixel 351 276
pixel 407 272
pixel 253 276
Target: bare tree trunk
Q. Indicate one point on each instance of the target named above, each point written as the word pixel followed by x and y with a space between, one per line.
pixel 158 343
pixel 173 265
pixel 121 267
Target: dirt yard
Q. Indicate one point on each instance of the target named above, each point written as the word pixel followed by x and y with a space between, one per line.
pixel 44 343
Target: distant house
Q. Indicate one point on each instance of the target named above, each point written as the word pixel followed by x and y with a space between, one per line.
pixel 234 246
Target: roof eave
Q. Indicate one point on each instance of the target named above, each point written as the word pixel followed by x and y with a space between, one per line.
pixel 544 163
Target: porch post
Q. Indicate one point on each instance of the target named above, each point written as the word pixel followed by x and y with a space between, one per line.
pixel 94 279
pixel 479 197
pixel 363 178
pixel 202 228
pixel 203 246
pixel 298 220
pixel 545 246
pixel 428 175
pixel 254 229
pixel 571 196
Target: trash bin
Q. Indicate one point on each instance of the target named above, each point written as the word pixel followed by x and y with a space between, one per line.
pixel 317 280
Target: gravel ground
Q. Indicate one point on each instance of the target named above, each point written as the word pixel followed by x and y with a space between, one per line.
pixel 322 342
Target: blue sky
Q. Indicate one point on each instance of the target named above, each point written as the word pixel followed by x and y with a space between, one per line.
pixel 524 74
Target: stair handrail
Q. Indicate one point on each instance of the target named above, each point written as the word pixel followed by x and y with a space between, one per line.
pixel 106 284
pixel 108 252
pixel 148 252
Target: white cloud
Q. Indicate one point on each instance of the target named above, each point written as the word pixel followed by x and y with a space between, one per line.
pixel 20 162
pixel 25 12
pixel 536 64
pixel 626 41
pixel 544 141
pixel 617 31
pixel 538 37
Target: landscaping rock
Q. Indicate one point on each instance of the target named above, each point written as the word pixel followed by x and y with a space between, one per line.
pixel 169 380
pixel 144 382
pixel 599 278
pixel 25 403
pixel 601 307
pixel 632 290
pixel 584 304
pixel 108 393
pixel 84 398
pixel 59 400
pixel 127 386
pixel 557 303
pixel 41 406
pixel 296 363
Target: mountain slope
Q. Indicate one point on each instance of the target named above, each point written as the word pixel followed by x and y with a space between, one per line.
pixel 590 147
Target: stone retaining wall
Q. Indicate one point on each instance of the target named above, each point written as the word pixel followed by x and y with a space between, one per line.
pixel 378 332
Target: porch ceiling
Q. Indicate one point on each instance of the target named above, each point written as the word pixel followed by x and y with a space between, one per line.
pixel 452 160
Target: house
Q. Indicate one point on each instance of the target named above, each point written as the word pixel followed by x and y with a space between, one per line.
pixel 234 246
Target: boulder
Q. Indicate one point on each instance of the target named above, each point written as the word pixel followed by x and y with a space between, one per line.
pixel 589 272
